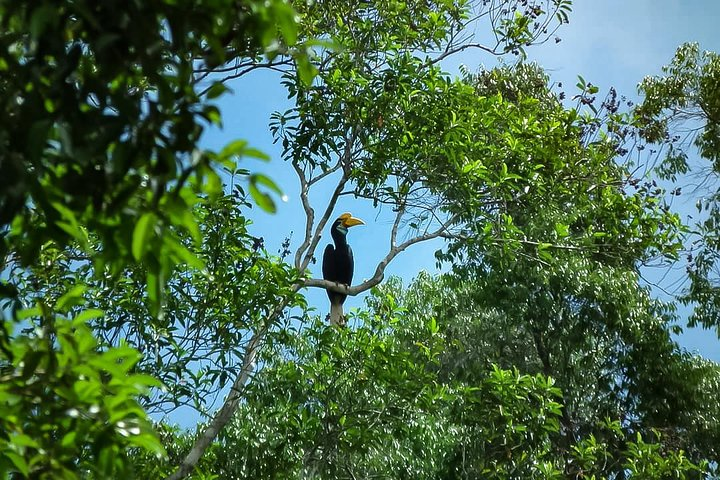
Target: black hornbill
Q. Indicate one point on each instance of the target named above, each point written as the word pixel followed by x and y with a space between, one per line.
pixel 338 264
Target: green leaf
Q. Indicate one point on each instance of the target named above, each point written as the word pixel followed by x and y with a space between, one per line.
pixel 19 462
pixel 68 440
pixel 217 89
pixel 265 181
pixel 213 186
pixel 154 289
pixel 544 252
pixel 31 362
pixel 42 17
pixel 141 234
pixel 183 254
pixel 71 298
pixel 562 230
pixel 581 83
pixel 433 326
pixel 255 153
pixel 263 199
pixel 236 148
pixel 71 226
pixel 285 18
pixel 148 441
pixel 306 70
pixel 26 313
pixel 87 390
pixel 24 440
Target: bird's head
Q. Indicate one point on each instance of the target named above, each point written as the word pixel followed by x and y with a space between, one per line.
pixel 345 221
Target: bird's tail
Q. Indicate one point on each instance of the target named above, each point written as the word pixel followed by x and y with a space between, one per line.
pixel 336 314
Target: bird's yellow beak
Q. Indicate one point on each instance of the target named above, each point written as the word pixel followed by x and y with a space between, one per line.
pixel 348 220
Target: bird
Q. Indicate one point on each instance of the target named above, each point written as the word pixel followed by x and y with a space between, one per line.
pixel 338 264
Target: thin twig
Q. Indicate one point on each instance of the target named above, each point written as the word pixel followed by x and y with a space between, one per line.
pixel 396 224
pixel 453 51
pixel 330 171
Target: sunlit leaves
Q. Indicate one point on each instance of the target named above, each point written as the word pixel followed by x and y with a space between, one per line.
pixel 68 404
pixel 141 234
pixel 377 399
pixel 101 179
pixel 99 152
pixel 263 199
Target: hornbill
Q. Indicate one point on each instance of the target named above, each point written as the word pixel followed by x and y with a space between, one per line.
pixel 338 264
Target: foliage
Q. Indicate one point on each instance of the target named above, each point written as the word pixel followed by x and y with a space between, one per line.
pixel 374 401
pixel 210 309
pixel 102 116
pixel 69 408
pixel 688 92
pixel 358 403
pixel 100 172
pixel 551 157
pixel 397 128
pixel 607 347
pixel 537 358
pixel 681 110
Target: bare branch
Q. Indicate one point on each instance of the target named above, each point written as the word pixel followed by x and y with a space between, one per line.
pixel 345 162
pixel 330 171
pixel 242 65
pixel 453 50
pixel 224 415
pixel 323 221
pixel 309 213
pixel 396 224
pixel 239 73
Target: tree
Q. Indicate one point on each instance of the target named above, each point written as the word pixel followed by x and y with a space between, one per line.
pixel 311 412
pixel 111 92
pixel 166 254
pixel 380 89
pixel 102 114
pixel 380 400
pixel 681 110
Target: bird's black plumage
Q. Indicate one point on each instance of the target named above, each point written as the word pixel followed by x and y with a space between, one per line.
pixel 338 263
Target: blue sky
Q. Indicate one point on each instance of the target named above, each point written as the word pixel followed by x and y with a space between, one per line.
pixel 610 43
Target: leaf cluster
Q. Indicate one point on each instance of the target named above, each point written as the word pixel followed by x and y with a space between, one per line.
pixel 101 116
pixel 69 407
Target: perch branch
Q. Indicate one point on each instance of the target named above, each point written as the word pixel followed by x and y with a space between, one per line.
pixel 305 185
pixel 441 232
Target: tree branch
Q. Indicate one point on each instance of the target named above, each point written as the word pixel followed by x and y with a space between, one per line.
pixel 380 269
pixel 396 224
pixel 225 413
pixel 305 185
pixel 309 213
pixel 330 171
pixel 240 72
pixel 345 162
pixel 453 50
